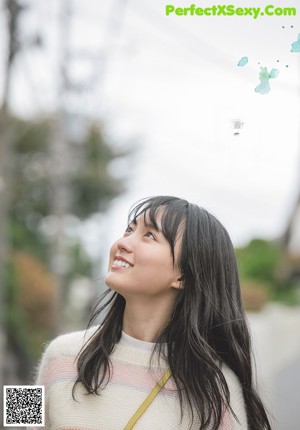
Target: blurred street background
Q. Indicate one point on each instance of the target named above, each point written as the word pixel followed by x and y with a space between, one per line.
pixel 104 103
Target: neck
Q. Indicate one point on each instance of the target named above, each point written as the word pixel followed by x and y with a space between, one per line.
pixel 144 319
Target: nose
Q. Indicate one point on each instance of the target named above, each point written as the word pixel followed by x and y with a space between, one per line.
pixel 125 244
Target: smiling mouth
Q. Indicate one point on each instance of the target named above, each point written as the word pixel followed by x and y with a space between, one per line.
pixel 121 263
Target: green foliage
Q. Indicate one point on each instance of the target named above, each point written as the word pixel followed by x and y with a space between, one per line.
pixel 30 189
pixel 259 260
pixel 91 187
pixel 259 264
pixel 17 332
pixel 29 308
pixel 286 294
pixel 23 237
pixel 91 184
pixel 80 263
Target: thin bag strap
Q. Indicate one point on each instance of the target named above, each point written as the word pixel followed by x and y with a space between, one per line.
pixel 147 402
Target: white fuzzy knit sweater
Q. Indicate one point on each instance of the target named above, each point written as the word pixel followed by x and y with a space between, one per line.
pixel 130 384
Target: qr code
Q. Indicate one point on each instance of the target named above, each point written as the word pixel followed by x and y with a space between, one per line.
pixel 24 406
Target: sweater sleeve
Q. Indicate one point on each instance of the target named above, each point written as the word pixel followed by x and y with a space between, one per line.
pixel 42 366
pixel 42 375
pixel 236 402
pixel 39 379
pixel 56 364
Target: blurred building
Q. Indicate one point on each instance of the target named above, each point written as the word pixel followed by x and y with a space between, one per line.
pixel 290 269
pixel 276 338
pixel 276 343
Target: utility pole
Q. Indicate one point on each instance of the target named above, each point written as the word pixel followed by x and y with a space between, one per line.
pixel 61 164
pixel 13 10
pixel 290 239
pixel 60 150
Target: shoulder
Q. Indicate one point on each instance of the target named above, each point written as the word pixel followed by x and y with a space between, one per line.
pixel 237 402
pixel 61 351
pixel 70 343
pixel 232 380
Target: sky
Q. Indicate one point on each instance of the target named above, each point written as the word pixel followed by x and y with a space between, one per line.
pixel 171 85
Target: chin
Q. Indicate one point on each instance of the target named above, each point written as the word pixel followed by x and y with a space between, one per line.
pixel 111 284
pixel 108 281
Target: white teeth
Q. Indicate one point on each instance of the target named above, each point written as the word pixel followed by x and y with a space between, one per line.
pixel 121 263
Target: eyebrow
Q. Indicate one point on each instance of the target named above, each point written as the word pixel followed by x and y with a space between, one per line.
pixel 147 224
pixel 151 225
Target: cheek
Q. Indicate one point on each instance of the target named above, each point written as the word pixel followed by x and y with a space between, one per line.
pixel 112 253
pixel 161 263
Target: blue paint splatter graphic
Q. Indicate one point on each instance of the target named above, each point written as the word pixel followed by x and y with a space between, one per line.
pixel 296 45
pixel 243 61
pixel 274 73
pixel 264 76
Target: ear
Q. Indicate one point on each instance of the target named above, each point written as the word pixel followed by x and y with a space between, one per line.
pixel 178 284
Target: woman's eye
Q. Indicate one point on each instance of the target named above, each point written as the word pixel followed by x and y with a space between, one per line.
pixel 149 234
pixel 129 229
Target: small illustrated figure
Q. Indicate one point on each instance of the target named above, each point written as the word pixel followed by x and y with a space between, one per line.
pixel 296 45
pixel 264 76
pixel 243 61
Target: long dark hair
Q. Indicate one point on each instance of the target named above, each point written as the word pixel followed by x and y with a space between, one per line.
pixel 207 325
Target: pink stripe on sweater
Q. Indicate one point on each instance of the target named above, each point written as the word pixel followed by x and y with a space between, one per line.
pixel 60 368
pixel 137 377
pixel 124 374
pixel 76 428
pixel 226 423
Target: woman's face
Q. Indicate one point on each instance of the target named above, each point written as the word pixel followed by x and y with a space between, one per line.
pixel 141 262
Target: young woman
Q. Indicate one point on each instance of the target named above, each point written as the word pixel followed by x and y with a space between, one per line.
pixel 173 349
